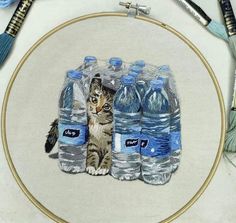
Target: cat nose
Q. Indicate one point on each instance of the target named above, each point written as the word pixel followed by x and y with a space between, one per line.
pixel 98 109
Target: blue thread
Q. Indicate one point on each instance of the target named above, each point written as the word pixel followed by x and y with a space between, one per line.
pixel 6 42
pixel 6 3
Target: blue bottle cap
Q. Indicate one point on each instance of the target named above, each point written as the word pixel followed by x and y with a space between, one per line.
pixel 136 69
pixel 133 74
pixel 164 68
pixel 156 84
pixel 116 61
pixel 140 63
pixel 74 74
pixel 90 59
pixel 127 79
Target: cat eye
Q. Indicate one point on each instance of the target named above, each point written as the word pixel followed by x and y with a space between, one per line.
pixel 94 100
pixel 106 107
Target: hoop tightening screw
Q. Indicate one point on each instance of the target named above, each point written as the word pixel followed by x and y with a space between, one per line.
pixel 139 8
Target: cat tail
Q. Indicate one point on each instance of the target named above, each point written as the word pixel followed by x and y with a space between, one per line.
pixel 52 136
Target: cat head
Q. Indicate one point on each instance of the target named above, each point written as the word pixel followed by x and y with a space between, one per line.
pixel 100 101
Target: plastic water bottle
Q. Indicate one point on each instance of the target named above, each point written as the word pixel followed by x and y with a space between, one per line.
pixel 165 71
pixel 175 124
pixel 134 75
pixel 149 71
pixel 139 63
pixel 126 163
pixel 72 124
pixel 139 87
pixel 155 123
pixel 175 135
pixel 112 75
pixel 141 83
pixel 89 69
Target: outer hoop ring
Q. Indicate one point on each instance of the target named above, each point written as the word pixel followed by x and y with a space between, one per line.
pixel 105 14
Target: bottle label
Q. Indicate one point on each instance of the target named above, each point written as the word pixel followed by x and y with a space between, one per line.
pixel 126 143
pixel 175 141
pixel 72 134
pixel 155 146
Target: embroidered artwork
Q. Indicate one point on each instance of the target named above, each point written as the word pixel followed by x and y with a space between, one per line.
pixel 119 119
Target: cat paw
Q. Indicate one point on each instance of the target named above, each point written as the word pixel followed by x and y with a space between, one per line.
pixel 102 171
pixel 91 170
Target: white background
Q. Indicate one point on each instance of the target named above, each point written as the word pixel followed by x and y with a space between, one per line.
pixel 218 203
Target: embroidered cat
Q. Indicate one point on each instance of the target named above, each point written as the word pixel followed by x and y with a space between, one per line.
pixel 100 117
pixel 52 137
pixel 100 114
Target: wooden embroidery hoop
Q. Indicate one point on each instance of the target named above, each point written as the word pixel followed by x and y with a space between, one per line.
pixel 114 14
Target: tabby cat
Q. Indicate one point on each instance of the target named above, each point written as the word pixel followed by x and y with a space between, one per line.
pixel 100 115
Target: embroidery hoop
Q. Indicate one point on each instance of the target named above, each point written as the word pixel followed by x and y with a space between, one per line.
pixel 97 15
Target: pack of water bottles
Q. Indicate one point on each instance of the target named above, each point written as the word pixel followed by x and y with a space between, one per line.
pixel 146 131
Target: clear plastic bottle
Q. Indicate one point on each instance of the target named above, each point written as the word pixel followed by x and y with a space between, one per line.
pixel 148 70
pixel 126 161
pixel 111 76
pixel 175 123
pixel 148 73
pixel 89 69
pixel 141 82
pixel 135 75
pixel 139 63
pixel 155 123
pixel 165 71
pixel 72 124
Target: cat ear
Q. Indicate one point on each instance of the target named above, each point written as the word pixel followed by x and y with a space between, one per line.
pixel 96 83
pixel 98 75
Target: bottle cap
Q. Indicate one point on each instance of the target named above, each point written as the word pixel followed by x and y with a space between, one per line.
pixel 74 74
pixel 136 69
pixel 133 74
pixel 127 79
pixel 140 63
pixel 115 61
pixel 164 68
pixel 90 59
pixel 156 84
